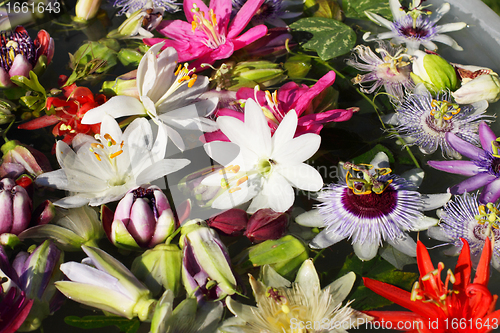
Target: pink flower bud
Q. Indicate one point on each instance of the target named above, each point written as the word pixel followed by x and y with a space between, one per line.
pixel 15 207
pixel 33 161
pixel 266 224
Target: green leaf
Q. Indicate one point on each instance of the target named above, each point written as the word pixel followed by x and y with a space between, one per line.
pixel 323 8
pixel 89 322
pixel 330 38
pixel 356 8
pixel 377 269
pixel 369 155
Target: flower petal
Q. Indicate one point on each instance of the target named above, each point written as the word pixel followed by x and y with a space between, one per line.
pixel 117 106
pixel 312 218
pixel 243 16
pixel 466 168
pixel 486 136
pixel 472 183
pixel 491 192
pixel 302 176
pixel 365 251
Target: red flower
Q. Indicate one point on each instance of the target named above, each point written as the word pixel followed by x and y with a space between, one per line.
pixel 69 112
pixel 466 307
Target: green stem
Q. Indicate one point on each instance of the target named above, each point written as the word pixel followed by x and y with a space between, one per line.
pixel 4 133
pixel 372 103
pixel 318 254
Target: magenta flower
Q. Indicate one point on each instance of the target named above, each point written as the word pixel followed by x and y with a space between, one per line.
pixel 290 96
pixel 483 168
pixel 207 35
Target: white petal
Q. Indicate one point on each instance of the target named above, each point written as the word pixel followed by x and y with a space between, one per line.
pixel 110 126
pixel 451 27
pixel 424 223
pixel 279 192
pixel 380 160
pixel 438 14
pixel 325 239
pixel 285 131
pixel 308 279
pixel 175 137
pixel 445 39
pixel 439 234
pixel 433 201
pixel 311 219
pixel 272 279
pixel 406 245
pixel 379 20
pixel 160 169
pixel 192 117
pixel 86 274
pixel 242 311
pixel 72 202
pixel 302 176
pixel 341 287
pixel 396 10
pixel 365 251
pixel 222 152
pixel 298 149
pixel 117 106
pixel 414 175
pixel 260 201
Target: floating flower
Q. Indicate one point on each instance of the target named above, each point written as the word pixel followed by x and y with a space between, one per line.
pixel 391 70
pixel 103 170
pixel 266 168
pixel 372 207
pixel 283 306
pixel 290 96
pixel 207 35
pixel 413 29
pixel 425 121
pixel 68 112
pixel 132 6
pixel 105 283
pixel 19 54
pixel 465 308
pixel 483 168
pixel 273 11
pixel 465 218
pixel 165 94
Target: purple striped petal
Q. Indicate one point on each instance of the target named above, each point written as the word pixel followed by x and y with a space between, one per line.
pixel 472 183
pixel 491 192
pixel 464 148
pixel 465 168
pixel 486 135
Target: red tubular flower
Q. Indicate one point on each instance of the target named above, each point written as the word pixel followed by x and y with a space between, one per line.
pixel 69 112
pixel 465 308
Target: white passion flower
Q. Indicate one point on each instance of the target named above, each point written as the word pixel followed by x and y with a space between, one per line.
pixel 372 206
pixel 103 170
pixel 261 167
pixel 166 94
pixel 412 28
pixel 284 306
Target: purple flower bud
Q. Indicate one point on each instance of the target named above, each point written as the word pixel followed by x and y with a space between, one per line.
pixel 15 207
pixel 33 161
pixel 266 224
pixel 142 219
pixel 44 213
pixel 232 222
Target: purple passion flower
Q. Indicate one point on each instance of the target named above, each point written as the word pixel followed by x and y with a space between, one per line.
pixel 483 168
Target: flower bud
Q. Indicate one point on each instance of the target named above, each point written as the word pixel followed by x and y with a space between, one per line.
pixel 483 87
pixel 15 207
pixel 37 273
pixel 160 266
pixel 206 267
pixel 34 162
pixel 231 222
pixel 297 66
pixel 125 84
pixel 70 228
pixel 266 224
pixel 6 108
pixel 252 73
pixel 285 255
pixel 103 282
pixel 128 57
pixel 434 72
pixel 44 213
pixel 86 9
pixel 143 218
pixel 140 23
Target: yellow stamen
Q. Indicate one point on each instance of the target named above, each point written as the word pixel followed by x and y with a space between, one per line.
pixel 179 68
pixel 241 180
pixel 97 156
pixel 192 81
pixel 234 189
pixel 116 154
pixel 96 145
pixel 109 138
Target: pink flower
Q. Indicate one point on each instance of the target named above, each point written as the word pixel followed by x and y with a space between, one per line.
pixel 289 97
pixel 208 35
